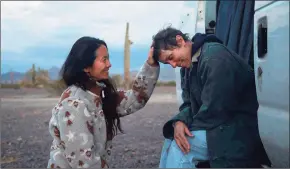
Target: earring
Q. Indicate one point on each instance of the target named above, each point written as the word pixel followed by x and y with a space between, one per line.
pixel 90 76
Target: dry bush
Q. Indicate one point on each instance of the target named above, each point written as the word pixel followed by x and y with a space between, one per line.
pixel 35 79
pixel 26 84
pixel 117 80
pixel 55 87
pixel 169 83
pixel 58 86
pixel 10 86
pixel 41 80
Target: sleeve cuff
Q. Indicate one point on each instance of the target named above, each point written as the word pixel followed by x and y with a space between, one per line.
pixel 150 71
pixel 168 129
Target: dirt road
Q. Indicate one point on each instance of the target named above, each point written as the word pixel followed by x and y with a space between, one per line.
pixel 25 140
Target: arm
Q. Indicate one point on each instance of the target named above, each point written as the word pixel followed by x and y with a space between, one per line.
pixel 75 129
pixel 185 112
pixel 133 100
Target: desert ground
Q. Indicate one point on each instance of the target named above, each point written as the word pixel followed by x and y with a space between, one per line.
pixel 25 140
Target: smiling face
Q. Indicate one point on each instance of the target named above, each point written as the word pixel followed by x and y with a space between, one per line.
pixel 101 65
pixel 177 56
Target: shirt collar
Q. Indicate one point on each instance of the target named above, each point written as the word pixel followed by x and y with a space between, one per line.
pixel 195 56
pixel 84 94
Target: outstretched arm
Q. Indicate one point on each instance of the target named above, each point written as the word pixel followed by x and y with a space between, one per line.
pixel 133 100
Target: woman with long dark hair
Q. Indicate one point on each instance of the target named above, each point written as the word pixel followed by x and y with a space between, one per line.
pixel 87 116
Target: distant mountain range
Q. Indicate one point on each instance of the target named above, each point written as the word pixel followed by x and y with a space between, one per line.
pixel 167 73
pixel 18 76
pixel 53 73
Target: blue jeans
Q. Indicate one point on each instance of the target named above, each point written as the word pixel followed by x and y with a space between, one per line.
pixel 173 157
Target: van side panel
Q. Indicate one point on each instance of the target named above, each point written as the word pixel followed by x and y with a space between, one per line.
pixel 272 78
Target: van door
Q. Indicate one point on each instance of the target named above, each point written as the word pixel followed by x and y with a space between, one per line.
pixel 271 63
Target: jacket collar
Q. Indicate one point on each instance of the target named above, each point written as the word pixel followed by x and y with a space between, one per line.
pixel 198 41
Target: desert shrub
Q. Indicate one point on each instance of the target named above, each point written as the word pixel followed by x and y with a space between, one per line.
pixel 55 87
pixel 41 80
pixel 117 80
pixel 169 83
pixel 10 86
pixel 26 84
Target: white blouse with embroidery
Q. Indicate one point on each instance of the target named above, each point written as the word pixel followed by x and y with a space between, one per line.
pixel 78 125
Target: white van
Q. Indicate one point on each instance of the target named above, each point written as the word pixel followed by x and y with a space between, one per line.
pixel 271 65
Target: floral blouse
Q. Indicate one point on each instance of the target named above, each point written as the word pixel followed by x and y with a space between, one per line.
pixel 78 125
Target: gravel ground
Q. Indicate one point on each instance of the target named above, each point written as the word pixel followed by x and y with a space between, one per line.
pixel 25 140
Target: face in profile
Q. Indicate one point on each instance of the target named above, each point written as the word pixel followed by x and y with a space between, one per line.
pixel 101 65
pixel 177 56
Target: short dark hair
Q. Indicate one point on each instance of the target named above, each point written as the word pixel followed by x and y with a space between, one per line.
pixel 166 39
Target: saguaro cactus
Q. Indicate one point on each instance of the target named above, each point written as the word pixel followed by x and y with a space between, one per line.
pixel 128 42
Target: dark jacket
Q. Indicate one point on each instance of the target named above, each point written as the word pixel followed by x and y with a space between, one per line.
pixel 219 96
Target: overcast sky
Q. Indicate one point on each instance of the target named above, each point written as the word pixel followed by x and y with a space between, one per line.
pixel 43 32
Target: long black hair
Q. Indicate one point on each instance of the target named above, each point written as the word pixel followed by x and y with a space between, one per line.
pixel 81 56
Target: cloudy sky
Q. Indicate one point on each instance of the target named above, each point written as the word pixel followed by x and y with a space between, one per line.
pixel 43 32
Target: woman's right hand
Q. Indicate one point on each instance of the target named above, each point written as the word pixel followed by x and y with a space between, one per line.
pixel 150 59
pixel 180 129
